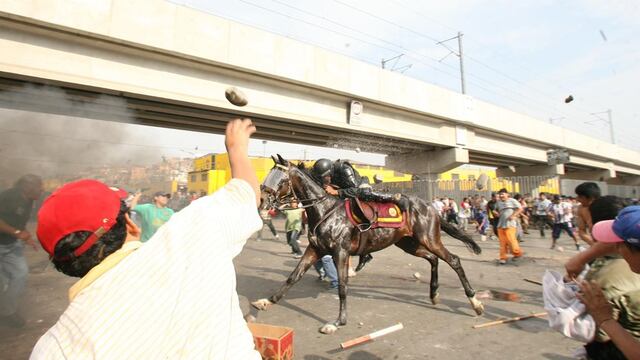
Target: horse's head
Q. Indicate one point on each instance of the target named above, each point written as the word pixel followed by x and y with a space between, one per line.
pixel 276 187
pixel 279 186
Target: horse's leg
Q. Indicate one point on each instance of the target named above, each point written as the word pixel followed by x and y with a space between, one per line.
pixel 454 261
pixel 343 277
pixel 411 246
pixel 309 258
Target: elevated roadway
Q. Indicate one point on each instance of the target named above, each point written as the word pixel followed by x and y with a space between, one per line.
pixel 158 63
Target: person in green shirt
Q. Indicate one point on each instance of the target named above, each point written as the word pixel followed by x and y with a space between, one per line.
pixel 153 215
pixel 293 226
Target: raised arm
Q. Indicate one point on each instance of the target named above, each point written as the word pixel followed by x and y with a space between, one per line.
pixel 237 142
pixel 576 264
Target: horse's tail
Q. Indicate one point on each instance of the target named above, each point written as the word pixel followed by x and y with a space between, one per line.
pixel 456 233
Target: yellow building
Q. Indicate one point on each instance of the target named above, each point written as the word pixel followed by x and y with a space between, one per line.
pixel 212 171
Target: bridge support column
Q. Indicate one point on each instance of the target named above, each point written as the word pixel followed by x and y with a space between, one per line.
pixel 633 180
pixel 593 175
pixel 539 170
pixel 428 162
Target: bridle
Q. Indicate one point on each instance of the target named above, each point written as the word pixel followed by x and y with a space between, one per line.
pixel 290 196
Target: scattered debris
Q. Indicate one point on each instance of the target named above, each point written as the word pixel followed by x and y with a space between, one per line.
pixel 249 318
pixel 371 336
pixel 483 294
pixel 533 281
pixel 505 295
pixel 508 320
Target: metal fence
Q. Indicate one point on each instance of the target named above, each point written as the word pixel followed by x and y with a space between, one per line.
pixel 567 187
pixel 459 189
pixel 534 185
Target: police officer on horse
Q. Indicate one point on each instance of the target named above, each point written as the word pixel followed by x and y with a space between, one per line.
pixel 350 184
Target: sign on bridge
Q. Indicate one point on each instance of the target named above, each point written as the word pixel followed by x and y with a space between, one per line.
pixel 558 156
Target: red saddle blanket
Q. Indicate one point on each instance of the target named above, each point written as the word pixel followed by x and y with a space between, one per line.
pixel 384 215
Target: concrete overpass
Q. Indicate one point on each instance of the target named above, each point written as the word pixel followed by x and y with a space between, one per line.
pixel 169 66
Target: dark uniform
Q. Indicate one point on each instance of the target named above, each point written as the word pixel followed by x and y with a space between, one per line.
pixel 15 211
pixel 351 184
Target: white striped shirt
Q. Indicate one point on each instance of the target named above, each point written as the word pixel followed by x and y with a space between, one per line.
pixel 173 298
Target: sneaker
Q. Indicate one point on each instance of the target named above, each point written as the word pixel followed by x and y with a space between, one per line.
pixel 502 262
pixel 14 320
pixel 277 237
pixel 297 256
pixel 351 273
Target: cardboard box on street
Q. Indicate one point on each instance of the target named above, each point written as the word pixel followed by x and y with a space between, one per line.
pixel 272 342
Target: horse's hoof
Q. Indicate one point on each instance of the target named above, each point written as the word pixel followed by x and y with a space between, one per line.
pixel 477 305
pixel 328 329
pixel 436 299
pixel 262 304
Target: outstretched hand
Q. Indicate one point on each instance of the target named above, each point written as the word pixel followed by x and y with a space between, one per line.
pixel 237 136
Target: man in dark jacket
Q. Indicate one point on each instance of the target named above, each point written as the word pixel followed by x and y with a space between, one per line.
pixel 15 210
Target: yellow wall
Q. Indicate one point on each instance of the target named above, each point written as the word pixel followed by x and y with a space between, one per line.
pixel 218 172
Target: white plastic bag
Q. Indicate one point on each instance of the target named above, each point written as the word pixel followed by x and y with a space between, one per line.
pixel 566 313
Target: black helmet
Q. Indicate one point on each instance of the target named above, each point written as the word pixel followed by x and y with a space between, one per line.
pixel 322 167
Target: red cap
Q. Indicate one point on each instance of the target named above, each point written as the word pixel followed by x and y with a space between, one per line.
pixel 83 205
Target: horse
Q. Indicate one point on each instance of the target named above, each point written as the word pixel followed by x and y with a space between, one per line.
pixel 331 232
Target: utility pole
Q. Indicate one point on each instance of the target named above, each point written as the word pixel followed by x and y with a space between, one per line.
pixel 459 54
pixel 608 120
pixel 613 139
pixel 461 57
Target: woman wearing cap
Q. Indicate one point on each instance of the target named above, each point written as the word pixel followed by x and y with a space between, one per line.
pixel 623 234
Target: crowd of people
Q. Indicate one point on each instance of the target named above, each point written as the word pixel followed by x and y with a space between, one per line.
pixel 544 212
pixel 605 270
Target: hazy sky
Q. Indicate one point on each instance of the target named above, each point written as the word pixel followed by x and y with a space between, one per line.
pixel 523 55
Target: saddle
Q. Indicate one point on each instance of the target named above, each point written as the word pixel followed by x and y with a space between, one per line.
pixel 370 215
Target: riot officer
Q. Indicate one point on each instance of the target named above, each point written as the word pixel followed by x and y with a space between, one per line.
pixel 350 184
